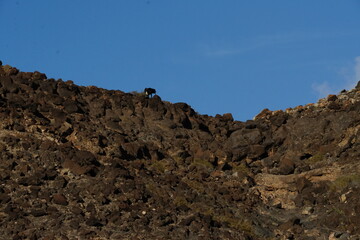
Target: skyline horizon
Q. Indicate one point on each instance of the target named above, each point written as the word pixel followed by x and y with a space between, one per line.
pixel 220 57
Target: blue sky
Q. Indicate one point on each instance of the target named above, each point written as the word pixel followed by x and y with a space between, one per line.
pixel 218 56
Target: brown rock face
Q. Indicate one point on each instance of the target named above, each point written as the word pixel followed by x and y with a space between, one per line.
pixel 88 163
pixel 60 199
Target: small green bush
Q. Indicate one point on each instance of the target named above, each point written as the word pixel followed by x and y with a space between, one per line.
pixel 242 169
pixel 181 201
pixel 315 159
pixel 202 163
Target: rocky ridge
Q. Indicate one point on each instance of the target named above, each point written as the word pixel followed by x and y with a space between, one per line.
pixel 89 163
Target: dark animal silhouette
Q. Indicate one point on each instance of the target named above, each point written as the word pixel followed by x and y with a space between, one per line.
pixel 149 92
pixel 0 63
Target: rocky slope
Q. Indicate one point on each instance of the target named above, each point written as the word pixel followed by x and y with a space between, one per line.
pixel 88 163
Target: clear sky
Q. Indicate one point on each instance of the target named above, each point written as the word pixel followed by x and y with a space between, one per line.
pixel 218 56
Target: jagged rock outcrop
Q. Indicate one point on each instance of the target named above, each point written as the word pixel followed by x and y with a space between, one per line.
pixel 89 163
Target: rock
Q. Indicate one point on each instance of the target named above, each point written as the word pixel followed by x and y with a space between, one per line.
pixel 70 107
pixel 74 167
pixel 334 106
pixel 64 91
pixel 278 118
pixel 244 137
pixel 256 151
pixel 92 221
pixel 332 98
pixel 60 199
pixel 265 113
pixel 287 166
pixel 38 212
pixel 38 76
pixel 4 198
pixel 10 71
pixel 302 183
pixel 357 85
pixel 227 117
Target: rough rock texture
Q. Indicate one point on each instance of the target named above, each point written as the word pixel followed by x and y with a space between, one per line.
pixel 88 163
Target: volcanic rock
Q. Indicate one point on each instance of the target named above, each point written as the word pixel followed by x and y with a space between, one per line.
pixel 88 163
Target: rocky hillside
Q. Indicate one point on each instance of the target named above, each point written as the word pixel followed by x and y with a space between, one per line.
pixel 89 163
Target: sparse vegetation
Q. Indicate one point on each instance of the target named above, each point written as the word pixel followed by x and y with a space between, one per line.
pixel 241 168
pixel 178 160
pixel 136 93
pixel 202 163
pixel 230 220
pixel 195 185
pixel 156 190
pixel 181 201
pixel 159 166
pixel 345 181
pixel 338 211
pixel 239 224
pixel 315 159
